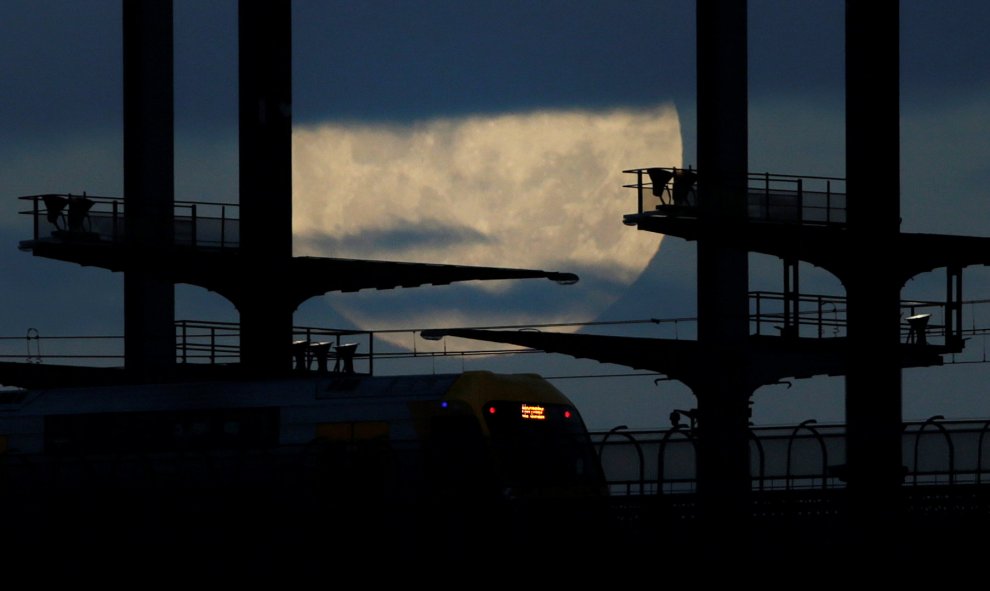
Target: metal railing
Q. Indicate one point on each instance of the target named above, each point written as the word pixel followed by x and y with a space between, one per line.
pixel 824 316
pixel 210 342
pixel 776 198
pixel 806 456
pixel 793 199
pixel 91 218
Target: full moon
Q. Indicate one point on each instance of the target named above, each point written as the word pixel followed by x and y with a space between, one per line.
pixel 539 190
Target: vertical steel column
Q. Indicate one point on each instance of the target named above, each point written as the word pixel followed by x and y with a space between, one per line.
pixel 953 306
pixel 792 298
pixel 723 270
pixel 149 300
pixel 873 381
pixel 265 81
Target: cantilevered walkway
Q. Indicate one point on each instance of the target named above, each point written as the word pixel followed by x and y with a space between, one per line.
pixel 795 219
pixel 206 251
pixel 791 217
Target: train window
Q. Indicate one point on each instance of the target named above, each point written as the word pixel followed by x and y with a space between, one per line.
pixel 161 431
pixel 351 432
pixel 540 445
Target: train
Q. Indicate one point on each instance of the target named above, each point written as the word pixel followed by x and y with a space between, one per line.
pixel 404 463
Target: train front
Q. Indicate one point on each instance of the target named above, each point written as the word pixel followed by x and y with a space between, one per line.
pixel 543 471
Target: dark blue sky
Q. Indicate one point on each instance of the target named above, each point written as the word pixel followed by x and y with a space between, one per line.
pixel 401 60
pixel 395 62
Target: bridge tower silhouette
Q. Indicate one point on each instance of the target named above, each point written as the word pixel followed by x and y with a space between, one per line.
pixel 853 233
pixel 252 265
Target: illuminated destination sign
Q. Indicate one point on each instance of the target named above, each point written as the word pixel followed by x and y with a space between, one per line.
pixel 531 411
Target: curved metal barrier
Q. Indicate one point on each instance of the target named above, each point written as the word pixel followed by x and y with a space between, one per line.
pixel 639 451
pixel 662 451
pixel 952 452
pixel 807 425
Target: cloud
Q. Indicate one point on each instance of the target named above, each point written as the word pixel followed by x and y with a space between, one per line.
pixel 395 241
pixel 532 190
pixel 513 190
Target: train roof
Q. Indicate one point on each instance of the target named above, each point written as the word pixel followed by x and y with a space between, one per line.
pixel 476 387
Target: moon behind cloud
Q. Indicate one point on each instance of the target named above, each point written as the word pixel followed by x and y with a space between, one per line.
pixel 534 190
